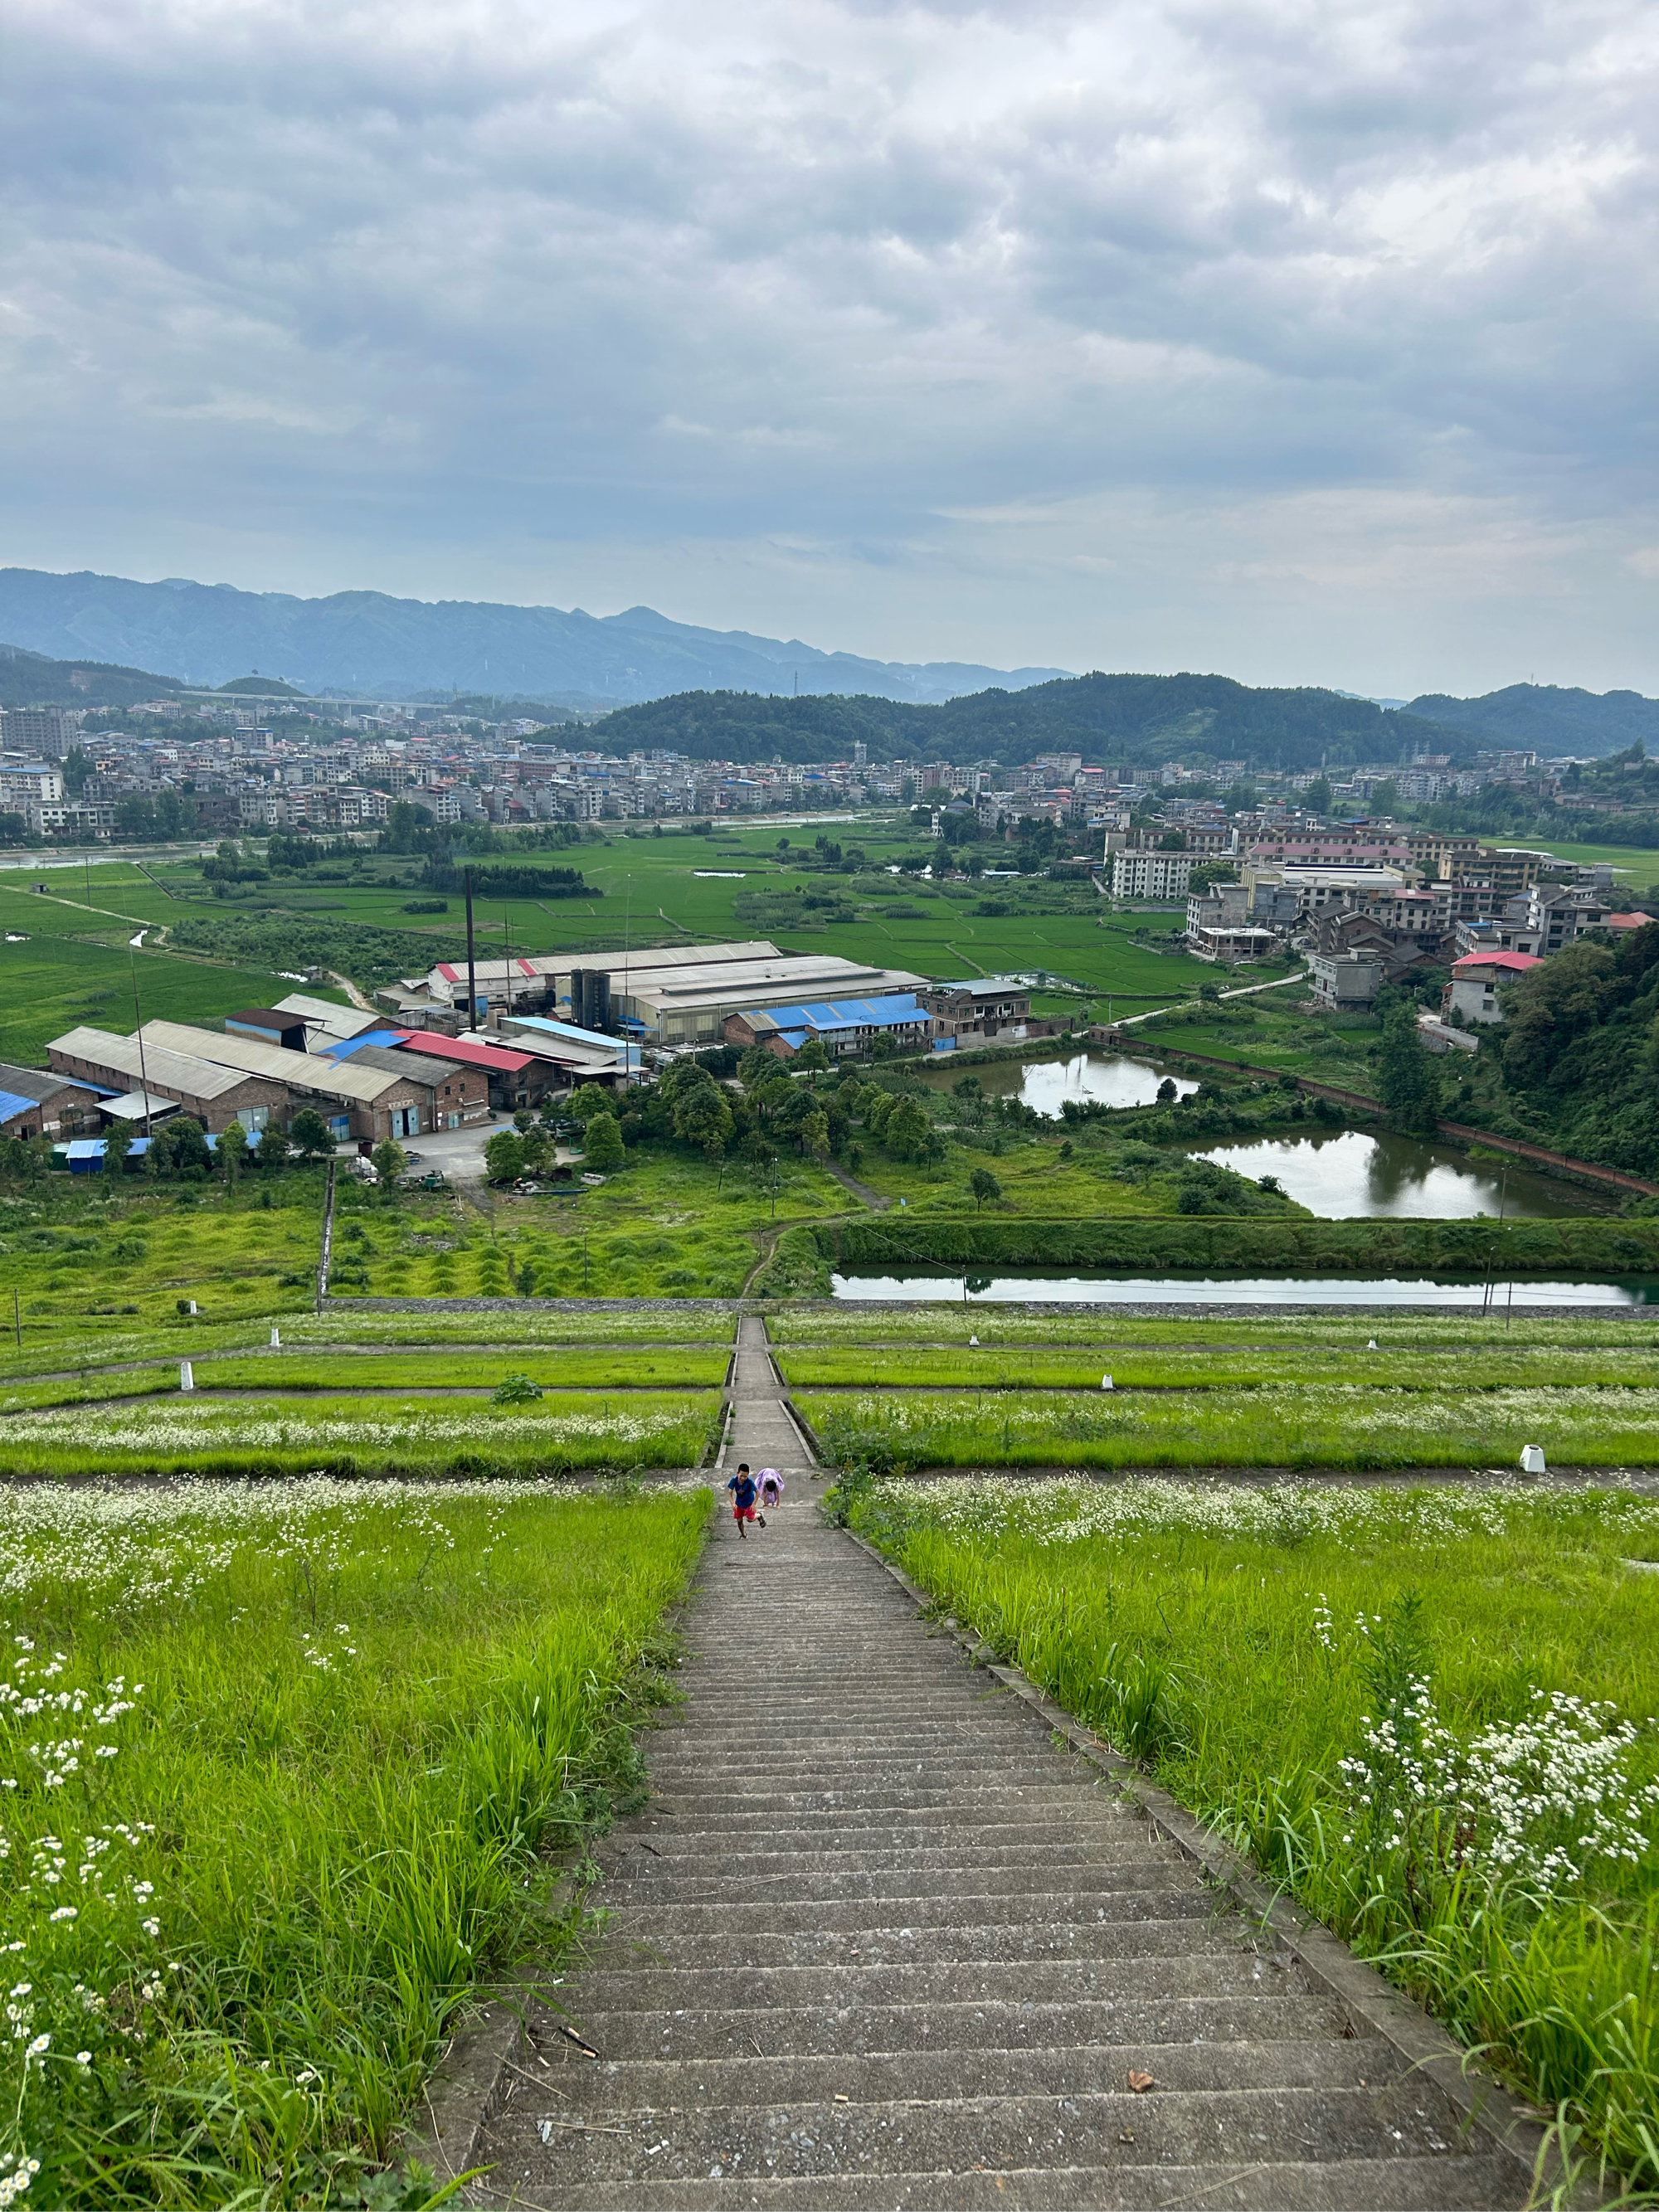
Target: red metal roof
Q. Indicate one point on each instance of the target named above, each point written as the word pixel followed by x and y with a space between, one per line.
pixel 1517 960
pixel 463 1050
pixel 452 973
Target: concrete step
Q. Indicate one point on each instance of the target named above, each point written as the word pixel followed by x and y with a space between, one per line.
pixel 1058 1796
pixel 965 1947
pixel 886 1890
pixel 1125 2023
pixel 659 2085
pixel 939 1813
pixel 1114 2130
pixel 1006 1845
pixel 1430 2185
pixel 1145 1892
pixel 1204 1964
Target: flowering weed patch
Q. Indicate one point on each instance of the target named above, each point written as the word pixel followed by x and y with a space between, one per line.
pixel 359 1435
pixel 277 1769
pixel 1426 1711
pixel 1276 1425
pixel 1036 1366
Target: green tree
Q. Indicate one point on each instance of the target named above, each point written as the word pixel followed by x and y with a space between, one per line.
pixel 117 1143
pixel 985 1186
pixel 272 1149
pixel 1551 1007
pixel 591 1099
pixel 1317 797
pixel 389 1160
pixel 813 1130
pixel 1407 1081
pixel 504 1156
pixel 602 1148
pixel 179 1147
pixel 310 1134
pixel 906 1130
pixel 757 1065
pixel 812 1055
pixel 702 1116
pixel 233 1152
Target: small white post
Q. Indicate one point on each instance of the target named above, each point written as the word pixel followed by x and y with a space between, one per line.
pixel 276 1338
pixel 1532 1459
pixel 186 1376
pixel 1105 1381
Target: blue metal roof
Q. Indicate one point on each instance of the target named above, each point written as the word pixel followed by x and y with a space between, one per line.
pixel 825 1014
pixel 347 1046
pixel 11 1105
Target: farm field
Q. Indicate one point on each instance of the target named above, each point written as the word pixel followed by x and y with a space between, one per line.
pixel 338 1728
pixel 1311 1424
pixel 1423 1711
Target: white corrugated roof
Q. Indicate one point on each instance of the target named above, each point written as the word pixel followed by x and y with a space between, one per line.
pixel 197 1078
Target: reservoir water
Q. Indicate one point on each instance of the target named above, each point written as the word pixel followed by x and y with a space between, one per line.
pixel 1340 1175
pixel 1243 1290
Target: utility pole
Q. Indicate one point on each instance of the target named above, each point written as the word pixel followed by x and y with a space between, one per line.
pixel 507 939
pixel 471 972
pixel 133 942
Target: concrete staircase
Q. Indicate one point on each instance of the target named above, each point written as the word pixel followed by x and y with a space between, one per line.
pixel 876 1941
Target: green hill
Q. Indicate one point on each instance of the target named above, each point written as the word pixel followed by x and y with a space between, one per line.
pixel 30 679
pixel 1140 720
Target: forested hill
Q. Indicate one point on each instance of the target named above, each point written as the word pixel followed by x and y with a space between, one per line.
pixel 1549 719
pixel 30 679
pixel 1137 720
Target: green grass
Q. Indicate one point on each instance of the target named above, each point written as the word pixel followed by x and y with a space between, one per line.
pixel 1318 1425
pixel 438 1370
pixel 1246 1642
pixel 356 1722
pixel 72 1252
pixel 1031 1366
pixel 1106 1329
pixel 558 1433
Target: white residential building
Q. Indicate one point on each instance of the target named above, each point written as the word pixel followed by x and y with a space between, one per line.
pixel 1137 874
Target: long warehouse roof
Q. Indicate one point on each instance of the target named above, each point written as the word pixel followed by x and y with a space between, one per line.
pixel 181 1071
pixel 301 1071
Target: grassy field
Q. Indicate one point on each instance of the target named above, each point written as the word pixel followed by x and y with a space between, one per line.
pixel 345 1725
pixel 558 1433
pixel 1036 1366
pixel 1106 1329
pixel 73 1251
pixel 1314 1424
pixel 1424 1713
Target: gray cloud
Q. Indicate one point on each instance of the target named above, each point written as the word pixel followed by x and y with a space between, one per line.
pixel 1198 334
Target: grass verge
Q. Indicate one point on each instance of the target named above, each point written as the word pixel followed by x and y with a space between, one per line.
pixel 1424 1713
pixel 327 1733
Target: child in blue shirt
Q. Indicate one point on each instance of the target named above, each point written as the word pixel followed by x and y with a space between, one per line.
pixel 742 1486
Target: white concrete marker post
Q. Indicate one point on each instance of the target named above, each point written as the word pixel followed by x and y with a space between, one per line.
pixel 276 1338
pixel 1532 1459
pixel 186 1375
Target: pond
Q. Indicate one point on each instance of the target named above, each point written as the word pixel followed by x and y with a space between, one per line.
pixel 1339 1174
pixel 1245 1291
pixel 1113 1079
pixel 1343 1174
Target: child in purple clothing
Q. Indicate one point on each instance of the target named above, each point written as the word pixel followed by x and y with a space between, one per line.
pixel 771 1491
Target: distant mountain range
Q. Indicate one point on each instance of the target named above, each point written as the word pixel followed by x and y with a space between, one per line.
pixel 87 640
pixel 369 645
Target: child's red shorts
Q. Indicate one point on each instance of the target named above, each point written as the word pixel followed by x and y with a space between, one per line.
pixel 743 1512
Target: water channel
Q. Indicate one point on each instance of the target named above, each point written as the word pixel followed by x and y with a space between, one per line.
pixel 1340 1175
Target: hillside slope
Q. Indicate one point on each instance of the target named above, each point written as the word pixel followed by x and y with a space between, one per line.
pixel 30 679
pixel 1547 718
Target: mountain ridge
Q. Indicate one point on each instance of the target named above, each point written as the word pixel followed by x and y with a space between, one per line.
pixel 369 644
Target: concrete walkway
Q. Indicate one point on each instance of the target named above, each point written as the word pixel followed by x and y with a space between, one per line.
pixel 875 1941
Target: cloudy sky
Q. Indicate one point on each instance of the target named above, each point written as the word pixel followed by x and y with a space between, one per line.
pixel 1306 340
